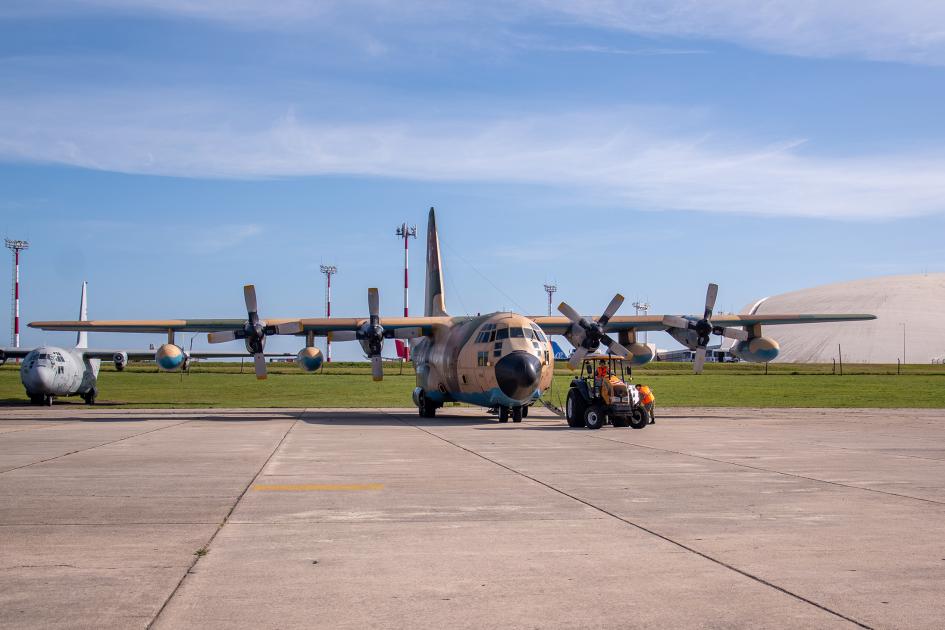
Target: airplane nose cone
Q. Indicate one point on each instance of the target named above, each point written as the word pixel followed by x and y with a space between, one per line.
pixel 518 374
pixel 39 380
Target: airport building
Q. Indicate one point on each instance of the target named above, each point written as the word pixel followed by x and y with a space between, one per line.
pixel 908 326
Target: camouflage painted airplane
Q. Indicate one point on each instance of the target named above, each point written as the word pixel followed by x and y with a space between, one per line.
pixel 48 372
pixel 501 360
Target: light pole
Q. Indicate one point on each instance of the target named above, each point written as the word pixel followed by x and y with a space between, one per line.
pixel 641 306
pixel 550 290
pixel 406 232
pixel 903 324
pixel 329 271
pixel 16 246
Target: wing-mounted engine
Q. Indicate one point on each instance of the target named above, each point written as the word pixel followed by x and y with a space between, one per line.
pixel 120 360
pixel 169 357
pixel 641 353
pixel 587 335
pixel 694 333
pixel 756 350
pixel 310 358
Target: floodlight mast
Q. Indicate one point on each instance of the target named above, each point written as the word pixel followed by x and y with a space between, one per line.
pixel 406 232
pixel 550 290
pixel 329 271
pixel 16 246
pixel 643 306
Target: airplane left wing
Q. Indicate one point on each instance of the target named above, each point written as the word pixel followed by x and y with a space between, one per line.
pixel 146 355
pixel 13 353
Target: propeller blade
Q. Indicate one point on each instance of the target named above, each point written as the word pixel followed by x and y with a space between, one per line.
pixel 259 362
pixel 249 295
pixel 408 333
pixel 221 337
pixel 700 360
pixel 569 312
pixel 577 357
pixel 377 368
pixel 343 335
pixel 671 321
pixel 614 347
pixel 710 295
pixel 289 328
pixel 610 310
pixel 374 303
pixel 738 334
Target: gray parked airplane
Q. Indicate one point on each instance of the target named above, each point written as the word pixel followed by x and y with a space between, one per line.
pixel 50 371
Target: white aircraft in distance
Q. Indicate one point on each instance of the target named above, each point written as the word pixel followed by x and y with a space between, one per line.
pixel 49 371
pixel 502 360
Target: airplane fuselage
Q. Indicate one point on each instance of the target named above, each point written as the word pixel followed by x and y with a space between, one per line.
pixel 50 371
pixel 495 360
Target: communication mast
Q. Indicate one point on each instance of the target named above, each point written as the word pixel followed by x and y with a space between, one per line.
pixel 16 246
pixel 643 306
pixel 550 290
pixel 406 232
pixel 329 271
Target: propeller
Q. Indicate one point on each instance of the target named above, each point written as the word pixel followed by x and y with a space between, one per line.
pixel 587 336
pixel 704 327
pixel 254 332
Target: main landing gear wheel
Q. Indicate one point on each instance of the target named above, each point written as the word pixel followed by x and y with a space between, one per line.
pixel 503 414
pixel 517 414
pixel 640 418
pixel 90 396
pixel 574 410
pixel 47 400
pixel 525 411
pixel 426 408
pixel 594 417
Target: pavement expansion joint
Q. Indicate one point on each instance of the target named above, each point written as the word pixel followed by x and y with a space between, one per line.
pixel 770 470
pixel 206 547
pixel 647 530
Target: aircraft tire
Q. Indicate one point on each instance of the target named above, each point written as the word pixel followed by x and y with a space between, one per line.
pixel 525 411
pixel 594 417
pixel 90 396
pixel 426 408
pixel 36 399
pixel 47 400
pixel 640 418
pixel 517 414
pixel 503 414
pixel 574 409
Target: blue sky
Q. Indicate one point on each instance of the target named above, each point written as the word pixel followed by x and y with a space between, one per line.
pixel 168 152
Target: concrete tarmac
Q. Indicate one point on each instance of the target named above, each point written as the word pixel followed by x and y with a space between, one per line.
pixel 376 518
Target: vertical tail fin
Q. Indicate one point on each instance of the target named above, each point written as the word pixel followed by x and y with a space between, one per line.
pixel 82 339
pixel 435 305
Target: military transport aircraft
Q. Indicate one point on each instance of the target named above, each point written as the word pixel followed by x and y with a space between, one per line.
pixel 499 360
pixel 50 371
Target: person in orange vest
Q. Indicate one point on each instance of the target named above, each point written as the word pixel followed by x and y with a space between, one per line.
pixel 647 399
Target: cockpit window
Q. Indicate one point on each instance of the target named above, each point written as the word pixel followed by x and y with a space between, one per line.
pixel 516 332
pixel 540 336
pixel 486 334
pixel 502 333
pixel 44 356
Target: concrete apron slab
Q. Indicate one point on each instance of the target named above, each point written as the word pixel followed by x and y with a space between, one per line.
pixel 360 518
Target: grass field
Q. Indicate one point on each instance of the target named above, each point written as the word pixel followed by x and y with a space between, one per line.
pixel 350 385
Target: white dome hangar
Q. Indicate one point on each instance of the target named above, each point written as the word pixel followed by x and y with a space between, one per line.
pixel 907 308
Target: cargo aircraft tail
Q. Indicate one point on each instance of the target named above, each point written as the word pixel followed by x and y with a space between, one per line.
pixel 434 305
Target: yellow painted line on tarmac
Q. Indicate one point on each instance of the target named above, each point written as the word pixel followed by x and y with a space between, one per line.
pixel 316 487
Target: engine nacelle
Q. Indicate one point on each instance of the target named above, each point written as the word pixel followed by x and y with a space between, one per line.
pixel 121 360
pixel 170 357
pixel 310 359
pixel 757 350
pixel 640 353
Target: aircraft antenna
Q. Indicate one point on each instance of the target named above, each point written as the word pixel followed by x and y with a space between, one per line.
pixel 406 232
pixel 642 306
pixel 16 246
pixel 329 271
pixel 550 290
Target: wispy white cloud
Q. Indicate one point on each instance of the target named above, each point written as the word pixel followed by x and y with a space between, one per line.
pixel 635 158
pixel 911 31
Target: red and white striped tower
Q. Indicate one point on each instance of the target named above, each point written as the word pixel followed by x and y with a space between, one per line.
pixel 329 271
pixel 17 246
pixel 406 232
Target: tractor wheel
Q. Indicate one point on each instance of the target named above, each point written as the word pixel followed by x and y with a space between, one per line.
pixel 574 409
pixel 640 418
pixel 594 417
pixel 517 414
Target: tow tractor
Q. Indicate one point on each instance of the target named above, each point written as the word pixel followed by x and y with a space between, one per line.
pixel 601 395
